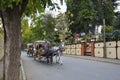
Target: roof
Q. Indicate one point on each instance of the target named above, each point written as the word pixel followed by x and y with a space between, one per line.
pixel 42 41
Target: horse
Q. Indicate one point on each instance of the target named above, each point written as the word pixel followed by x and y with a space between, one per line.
pixel 49 54
pixel 57 54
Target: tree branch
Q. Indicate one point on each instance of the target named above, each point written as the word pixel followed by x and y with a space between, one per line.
pixel 23 6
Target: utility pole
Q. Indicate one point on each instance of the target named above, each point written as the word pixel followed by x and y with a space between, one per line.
pixel 104 41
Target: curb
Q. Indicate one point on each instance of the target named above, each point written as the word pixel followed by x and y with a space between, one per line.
pixel 23 74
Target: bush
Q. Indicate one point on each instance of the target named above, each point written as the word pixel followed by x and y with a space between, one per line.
pixel 116 35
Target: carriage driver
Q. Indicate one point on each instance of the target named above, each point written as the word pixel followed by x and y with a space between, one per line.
pixel 40 52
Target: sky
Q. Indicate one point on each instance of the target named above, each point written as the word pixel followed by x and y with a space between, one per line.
pixel 118 7
pixel 56 11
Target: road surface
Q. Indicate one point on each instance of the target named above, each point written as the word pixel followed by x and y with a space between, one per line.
pixel 72 69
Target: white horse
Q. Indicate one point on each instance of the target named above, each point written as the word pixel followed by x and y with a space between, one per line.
pixel 58 52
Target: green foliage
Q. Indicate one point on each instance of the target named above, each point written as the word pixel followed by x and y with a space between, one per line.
pixel 87 12
pixel 73 10
pixel 116 35
pixel 48 25
pixel 27 35
pixel 42 27
pixel 113 36
pixel 108 12
pixel 97 5
pixel 9 4
pixel 87 37
pixel 109 29
pixel 117 22
pixel 62 23
pixel 82 12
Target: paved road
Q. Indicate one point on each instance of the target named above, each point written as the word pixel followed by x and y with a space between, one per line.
pixel 72 69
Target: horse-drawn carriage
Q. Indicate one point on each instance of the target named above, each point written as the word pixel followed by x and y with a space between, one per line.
pixel 44 52
pixel 40 51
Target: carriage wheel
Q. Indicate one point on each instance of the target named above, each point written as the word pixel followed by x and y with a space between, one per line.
pixel 39 57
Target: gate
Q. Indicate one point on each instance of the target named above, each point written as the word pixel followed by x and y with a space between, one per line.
pixel 87 48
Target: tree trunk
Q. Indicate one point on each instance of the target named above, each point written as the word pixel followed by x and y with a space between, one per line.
pixel 12 44
pixel 85 28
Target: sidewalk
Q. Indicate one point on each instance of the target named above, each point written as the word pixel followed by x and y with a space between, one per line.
pixel 113 61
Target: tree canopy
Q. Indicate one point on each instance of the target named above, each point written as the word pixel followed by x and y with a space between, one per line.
pixel 92 12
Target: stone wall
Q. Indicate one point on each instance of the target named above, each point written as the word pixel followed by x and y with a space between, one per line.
pixel 112 49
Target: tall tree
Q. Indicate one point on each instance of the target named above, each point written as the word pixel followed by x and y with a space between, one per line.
pixel 27 34
pixel 11 13
pixel 86 14
pixel 48 25
pixel 97 5
pixel 108 11
pixel 104 9
pixel 83 14
pixel 94 10
pixel 73 8
pixel 62 25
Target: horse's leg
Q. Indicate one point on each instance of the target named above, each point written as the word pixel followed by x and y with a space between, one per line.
pixel 59 60
pixel 51 59
pixel 56 57
pixel 47 57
